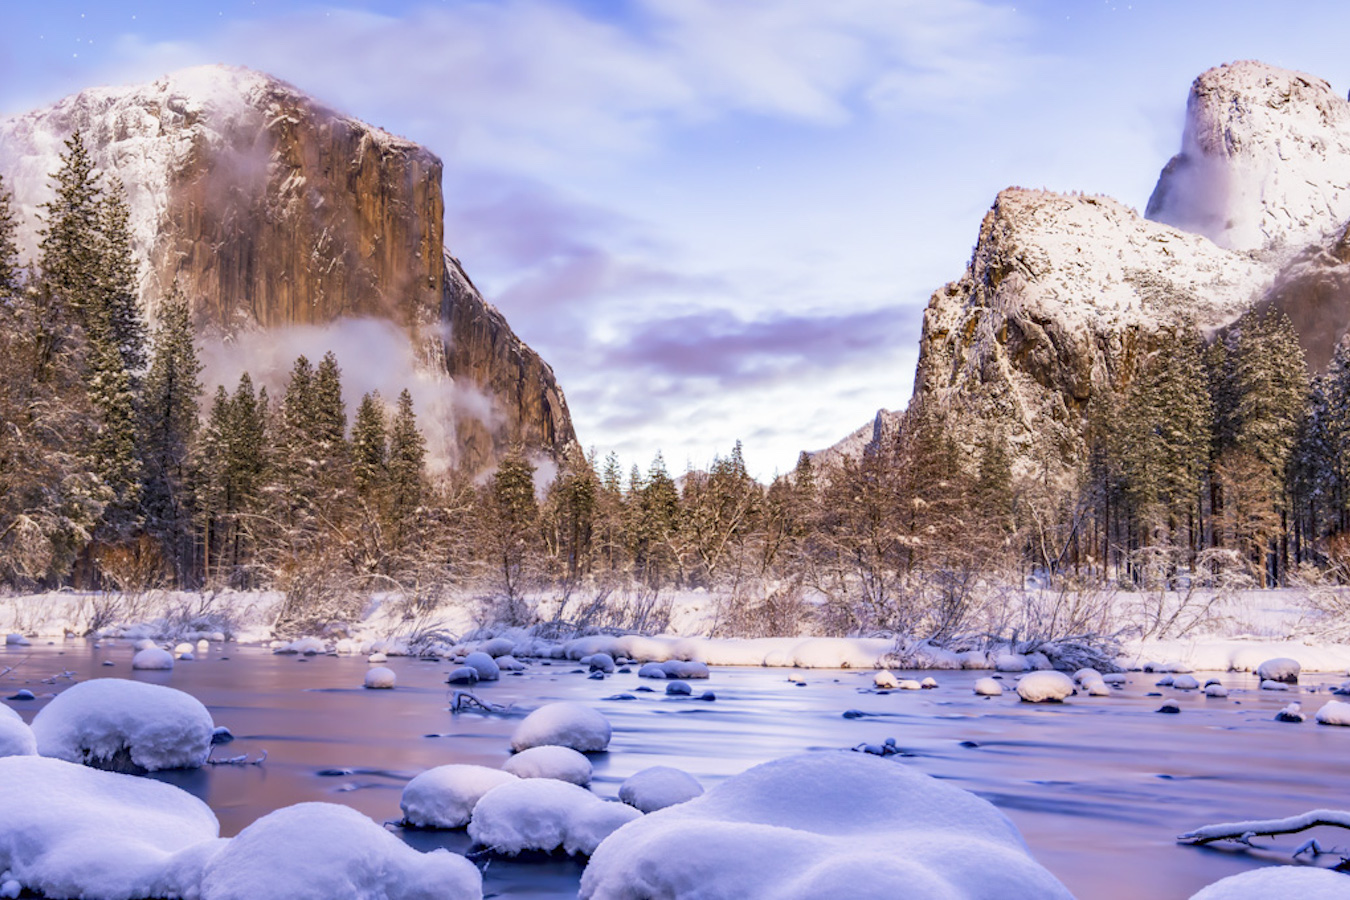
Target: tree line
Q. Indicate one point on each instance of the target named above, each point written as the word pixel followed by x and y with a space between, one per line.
pixel 1201 461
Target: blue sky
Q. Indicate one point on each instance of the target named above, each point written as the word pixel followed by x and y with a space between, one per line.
pixel 717 219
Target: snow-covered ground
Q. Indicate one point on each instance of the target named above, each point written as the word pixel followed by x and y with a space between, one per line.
pixel 1236 633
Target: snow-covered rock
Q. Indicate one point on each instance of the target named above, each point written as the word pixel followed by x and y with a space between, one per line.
pixel 16 738
pixel 1186 683
pixel 658 787
pixel 152 659
pixel 484 665
pixel 462 675
pixel 1216 690
pixel 1086 674
pixel 676 688
pixel 909 684
pixel 305 646
pixel 1279 669
pixel 1279 883
pixel 1096 688
pixel 380 677
pixel 1334 712
pixel 559 763
pixel 929 683
pixel 327 850
pixel 565 724
pixel 444 797
pixel 121 724
pixel 1046 686
pixel 988 687
pixel 498 647
pixel 652 670
pixel 14 639
pixel 547 815
pixel 1291 713
pixel 508 663
pixel 1269 685
pixel 820 825
pixel 1011 662
pixel 599 662
pixel 70 831
pixel 1264 161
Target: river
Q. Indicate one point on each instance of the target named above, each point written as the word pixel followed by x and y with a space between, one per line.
pixel 1099 787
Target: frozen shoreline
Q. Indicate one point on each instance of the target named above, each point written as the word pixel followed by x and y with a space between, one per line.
pixel 1253 626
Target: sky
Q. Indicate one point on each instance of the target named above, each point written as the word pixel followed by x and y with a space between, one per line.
pixel 717 220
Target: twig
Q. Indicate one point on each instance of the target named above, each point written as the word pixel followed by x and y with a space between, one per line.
pixel 1243 832
pixel 241 760
pixel 463 700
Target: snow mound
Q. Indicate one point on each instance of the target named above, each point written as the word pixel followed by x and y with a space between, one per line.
pixel 444 797
pixel 658 787
pixel 112 723
pixel 599 662
pixel 543 814
pixel 71 831
pixel 484 665
pixel 885 680
pixel 498 647
pixel 1304 882
pixel 1011 662
pixel 307 646
pixel 564 724
pixel 1279 669
pixel 326 850
pixel 560 763
pixel 14 639
pixel 1047 686
pixel 988 687
pixel 808 825
pixel 152 659
pixel 1186 683
pixel 16 738
pixel 380 677
pixel 1334 712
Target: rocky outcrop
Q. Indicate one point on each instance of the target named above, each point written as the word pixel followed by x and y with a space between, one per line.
pixel 1062 296
pixel 271 210
pixel 1264 161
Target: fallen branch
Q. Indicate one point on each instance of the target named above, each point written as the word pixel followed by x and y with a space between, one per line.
pixel 463 700
pixel 1243 832
pixel 242 760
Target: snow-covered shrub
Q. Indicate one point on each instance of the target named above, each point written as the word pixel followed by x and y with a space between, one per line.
pixel 327 850
pixel 547 815
pixel 658 787
pixel 71 831
pixel 444 797
pixel 826 824
pixel 564 724
pixel 125 725
pixel 559 763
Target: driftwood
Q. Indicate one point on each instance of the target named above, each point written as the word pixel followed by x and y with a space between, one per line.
pixel 462 700
pixel 1243 832
pixel 242 760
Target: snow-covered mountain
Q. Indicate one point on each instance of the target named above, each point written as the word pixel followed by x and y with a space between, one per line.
pixel 1264 161
pixel 283 222
pixel 1064 292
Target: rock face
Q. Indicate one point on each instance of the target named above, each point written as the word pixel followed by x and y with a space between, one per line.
pixel 271 210
pixel 1264 161
pixel 1064 294
pixel 1061 296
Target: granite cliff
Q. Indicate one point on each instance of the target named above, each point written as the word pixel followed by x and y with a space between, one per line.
pixel 271 210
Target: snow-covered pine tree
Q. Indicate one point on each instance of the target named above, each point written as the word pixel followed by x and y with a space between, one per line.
pixel 9 247
pixel 118 302
pixel 407 465
pixel 169 413
pixel 370 451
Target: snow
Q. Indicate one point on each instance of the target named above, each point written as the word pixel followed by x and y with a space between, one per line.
pixel 657 787
pixel 988 687
pixel 885 680
pixel 1222 653
pixel 1216 690
pixel 1280 669
pixel 498 647
pixel 444 797
pixel 380 677
pixel 16 738
pixel 599 662
pixel 68 831
pixel 1264 159
pixel 1334 712
pixel 112 722
pixel 1011 662
pixel 462 675
pixel 547 815
pixel 1186 683
pixel 560 763
pixel 152 658
pixel 326 850
pixel 678 689
pixel 484 665
pixel 13 639
pixel 565 724
pixel 805 826
pixel 1279 882
pixel 308 646
pixel 1046 686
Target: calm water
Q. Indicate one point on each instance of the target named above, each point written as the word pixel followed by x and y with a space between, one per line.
pixel 1098 786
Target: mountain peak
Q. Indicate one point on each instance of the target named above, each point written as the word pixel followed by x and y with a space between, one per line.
pixel 1264 161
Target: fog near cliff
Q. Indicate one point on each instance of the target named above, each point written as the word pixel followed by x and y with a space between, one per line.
pixel 374 355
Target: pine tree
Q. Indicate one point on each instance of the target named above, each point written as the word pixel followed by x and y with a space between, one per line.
pixel 370 451
pixel 235 468
pixel 169 413
pixel 408 487
pixel 572 504
pixel 513 518
pixel 9 248
pixel 119 308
